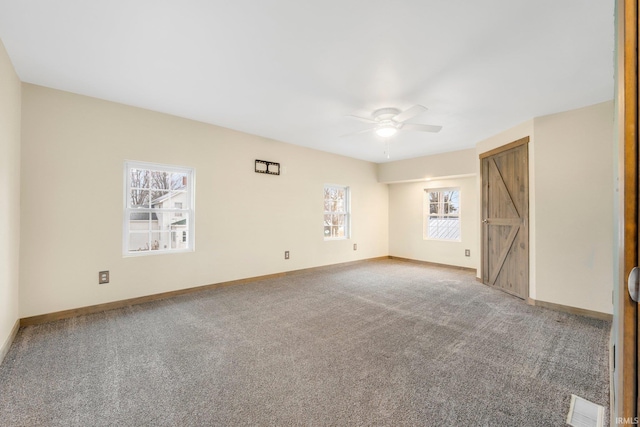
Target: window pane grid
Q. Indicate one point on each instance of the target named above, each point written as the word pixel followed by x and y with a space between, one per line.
pixel 442 221
pixel 159 209
pixel 444 228
pixel 336 212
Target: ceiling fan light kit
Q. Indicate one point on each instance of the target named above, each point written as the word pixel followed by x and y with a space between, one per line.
pixel 389 121
pixel 386 131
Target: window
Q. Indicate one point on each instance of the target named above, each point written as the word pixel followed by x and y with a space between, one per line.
pixel 336 212
pixel 159 209
pixel 442 214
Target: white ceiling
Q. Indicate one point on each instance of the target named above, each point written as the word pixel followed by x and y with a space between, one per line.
pixel 292 70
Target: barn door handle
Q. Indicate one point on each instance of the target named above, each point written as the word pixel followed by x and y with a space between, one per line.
pixel 633 284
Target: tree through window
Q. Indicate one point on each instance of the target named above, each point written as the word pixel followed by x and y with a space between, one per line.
pixel 158 208
pixel 336 212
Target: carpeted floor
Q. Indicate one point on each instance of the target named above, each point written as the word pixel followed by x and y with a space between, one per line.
pixel 377 343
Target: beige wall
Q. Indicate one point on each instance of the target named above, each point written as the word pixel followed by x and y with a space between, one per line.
pixel 406 223
pixel 452 164
pixel 574 199
pixel 570 206
pixel 457 168
pixel 9 197
pixel 74 149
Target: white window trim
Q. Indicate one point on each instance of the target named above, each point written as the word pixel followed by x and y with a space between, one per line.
pixel 191 177
pixel 347 213
pixel 425 214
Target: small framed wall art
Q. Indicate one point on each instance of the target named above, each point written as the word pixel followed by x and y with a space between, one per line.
pixel 271 168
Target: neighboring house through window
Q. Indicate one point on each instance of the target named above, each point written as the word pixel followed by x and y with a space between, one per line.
pixel 159 208
pixel 442 214
pixel 336 212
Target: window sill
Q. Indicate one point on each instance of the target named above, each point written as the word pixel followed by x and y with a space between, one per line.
pixel 136 254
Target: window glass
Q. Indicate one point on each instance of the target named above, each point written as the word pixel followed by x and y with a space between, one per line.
pixel 159 208
pixel 442 214
pixel 336 212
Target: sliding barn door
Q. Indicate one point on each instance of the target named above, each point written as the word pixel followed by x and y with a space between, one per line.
pixel 505 218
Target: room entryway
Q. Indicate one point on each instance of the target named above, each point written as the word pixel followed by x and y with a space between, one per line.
pixel 505 218
pixel 627 347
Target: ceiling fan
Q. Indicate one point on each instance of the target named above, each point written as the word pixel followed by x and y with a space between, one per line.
pixel 388 121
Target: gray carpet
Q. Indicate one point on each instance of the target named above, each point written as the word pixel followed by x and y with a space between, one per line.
pixel 377 343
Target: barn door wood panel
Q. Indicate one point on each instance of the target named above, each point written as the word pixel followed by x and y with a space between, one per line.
pixel 505 218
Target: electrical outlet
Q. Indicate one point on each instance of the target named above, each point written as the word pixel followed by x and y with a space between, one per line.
pixel 355 246
pixel 103 277
pixel 286 254
pixel 467 252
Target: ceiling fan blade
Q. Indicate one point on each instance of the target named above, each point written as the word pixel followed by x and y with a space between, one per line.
pixel 363 119
pixel 421 128
pixel 409 113
pixel 359 132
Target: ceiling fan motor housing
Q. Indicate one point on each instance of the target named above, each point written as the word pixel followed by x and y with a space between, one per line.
pixel 388 121
pixel 385 113
pixel 386 125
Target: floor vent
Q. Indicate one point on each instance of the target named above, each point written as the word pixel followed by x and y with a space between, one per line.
pixel 583 413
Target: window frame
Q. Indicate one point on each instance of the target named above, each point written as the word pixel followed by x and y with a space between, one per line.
pixel 346 212
pixel 426 212
pixel 189 210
